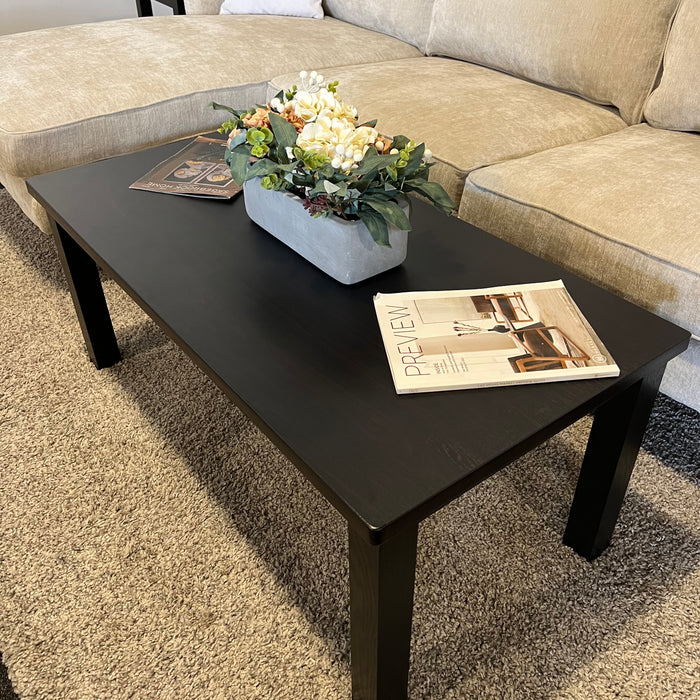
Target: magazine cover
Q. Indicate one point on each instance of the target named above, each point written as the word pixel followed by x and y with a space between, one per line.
pixel 516 334
pixel 197 170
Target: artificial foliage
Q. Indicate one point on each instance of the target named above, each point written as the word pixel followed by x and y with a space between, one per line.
pixel 308 141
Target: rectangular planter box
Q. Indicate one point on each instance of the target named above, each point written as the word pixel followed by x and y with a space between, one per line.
pixel 343 249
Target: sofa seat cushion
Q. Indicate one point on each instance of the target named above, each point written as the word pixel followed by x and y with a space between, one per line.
pixel 620 210
pixel 468 116
pixel 78 93
pixel 682 378
pixel 75 94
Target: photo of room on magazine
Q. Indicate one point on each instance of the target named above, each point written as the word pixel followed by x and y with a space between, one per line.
pixel 517 334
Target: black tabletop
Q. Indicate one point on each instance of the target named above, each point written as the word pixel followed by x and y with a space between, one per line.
pixel 302 354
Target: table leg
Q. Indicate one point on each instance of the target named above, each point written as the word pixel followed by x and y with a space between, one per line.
pixel 616 435
pixel 83 279
pixel 381 610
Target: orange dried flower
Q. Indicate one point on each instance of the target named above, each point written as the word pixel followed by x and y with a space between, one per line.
pixel 257 119
pixel 296 121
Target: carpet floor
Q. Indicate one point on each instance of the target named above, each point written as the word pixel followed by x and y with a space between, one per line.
pixel 153 544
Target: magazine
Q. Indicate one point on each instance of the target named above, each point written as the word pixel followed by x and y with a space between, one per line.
pixel 197 170
pixel 462 339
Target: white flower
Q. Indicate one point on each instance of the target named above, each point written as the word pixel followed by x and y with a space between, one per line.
pixel 311 105
pixel 338 139
pixel 427 155
pixel 303 74
pixel 325 103
pixel 341 110
pixel 304 104
pixel 314 137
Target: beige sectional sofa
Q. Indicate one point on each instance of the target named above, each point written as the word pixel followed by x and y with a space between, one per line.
pixel 569 128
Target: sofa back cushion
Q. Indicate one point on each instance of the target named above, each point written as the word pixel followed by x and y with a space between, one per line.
pixel 202 7
pixel 675 104
pixel 608 51
pixel 408 20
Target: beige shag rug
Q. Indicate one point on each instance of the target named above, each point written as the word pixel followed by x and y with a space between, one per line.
pixel 155 545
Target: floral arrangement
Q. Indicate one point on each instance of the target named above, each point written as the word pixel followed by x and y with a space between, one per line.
pixel 306 140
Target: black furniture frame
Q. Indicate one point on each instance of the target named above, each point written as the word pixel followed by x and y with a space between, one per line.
pixel 302 356
pixel 145 7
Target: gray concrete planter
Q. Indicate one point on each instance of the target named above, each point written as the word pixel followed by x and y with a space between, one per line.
pixel 344 250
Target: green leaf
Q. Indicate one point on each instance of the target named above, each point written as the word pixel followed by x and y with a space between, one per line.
pixel 434 192
pixel 415 160
pixel 377 191
pixel 237 140
pixel 391 212
pixel 350 206
pixel 259 150
pixel 238 163
pixel 270 182
pixel 330 187
pixel 313 161
pixel 400 142
pixel 285 135
pixel 366 174
pixel 376 225
pixel 327 171
pixel 261 168
pixel 423 173
pixel 216 105
pixel 373 161
pixel 259 136
pixel 317 189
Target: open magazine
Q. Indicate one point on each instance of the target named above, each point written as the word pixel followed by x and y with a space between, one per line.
pixel 516 334
pixel 197 170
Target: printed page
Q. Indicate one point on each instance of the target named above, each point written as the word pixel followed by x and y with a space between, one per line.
pixel 516 334
pixel 197 170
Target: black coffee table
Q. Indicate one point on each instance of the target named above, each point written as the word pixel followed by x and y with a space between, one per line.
pixel 302 356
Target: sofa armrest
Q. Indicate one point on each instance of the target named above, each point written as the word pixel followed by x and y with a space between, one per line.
pixel 145 7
